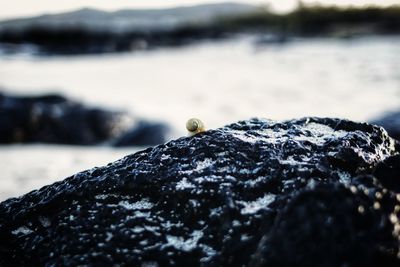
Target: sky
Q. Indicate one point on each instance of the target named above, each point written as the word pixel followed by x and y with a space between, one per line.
pixel 24 8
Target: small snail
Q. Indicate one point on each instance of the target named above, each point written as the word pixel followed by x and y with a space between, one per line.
pixel 195 126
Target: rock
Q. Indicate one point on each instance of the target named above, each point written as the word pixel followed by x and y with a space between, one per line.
pixel 143 133
pixel 55 119
pixel 307 192
pixel 391 123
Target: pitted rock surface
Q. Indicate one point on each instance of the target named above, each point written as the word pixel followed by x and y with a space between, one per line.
pixel 308 192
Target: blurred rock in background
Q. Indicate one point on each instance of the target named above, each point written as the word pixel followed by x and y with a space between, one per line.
pixel 53 118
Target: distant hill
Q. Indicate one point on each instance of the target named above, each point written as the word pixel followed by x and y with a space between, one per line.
pixel 128 20
pixel 89 31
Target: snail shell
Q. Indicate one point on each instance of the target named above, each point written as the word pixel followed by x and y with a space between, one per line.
pixel 195 126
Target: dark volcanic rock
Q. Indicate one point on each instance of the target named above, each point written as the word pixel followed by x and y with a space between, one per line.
pixel 391 123
pixel 55 119
pixel 144 133
pixel 308 192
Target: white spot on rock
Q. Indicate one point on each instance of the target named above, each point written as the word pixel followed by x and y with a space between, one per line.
pixel 344 178
pixel 252 207
pixel 22 230
pixel 143 204
pixel 184 184
pixel 181 243
pixel 109 236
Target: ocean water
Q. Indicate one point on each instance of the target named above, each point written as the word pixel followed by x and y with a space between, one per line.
pixel 218 82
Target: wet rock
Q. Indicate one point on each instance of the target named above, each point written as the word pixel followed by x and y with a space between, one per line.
pixel 391 123
pixel 143 133
pixel 308 192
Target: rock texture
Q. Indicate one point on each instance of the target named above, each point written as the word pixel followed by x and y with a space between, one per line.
pixel 56 119
pixel 391 123
pixel 308 192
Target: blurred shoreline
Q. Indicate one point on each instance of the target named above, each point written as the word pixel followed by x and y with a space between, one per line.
pixel 90 31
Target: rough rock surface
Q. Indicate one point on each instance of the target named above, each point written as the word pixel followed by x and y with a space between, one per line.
pixel 308 192
pixel 391 123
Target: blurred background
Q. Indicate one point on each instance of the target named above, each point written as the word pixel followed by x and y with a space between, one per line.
pixel 85 84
